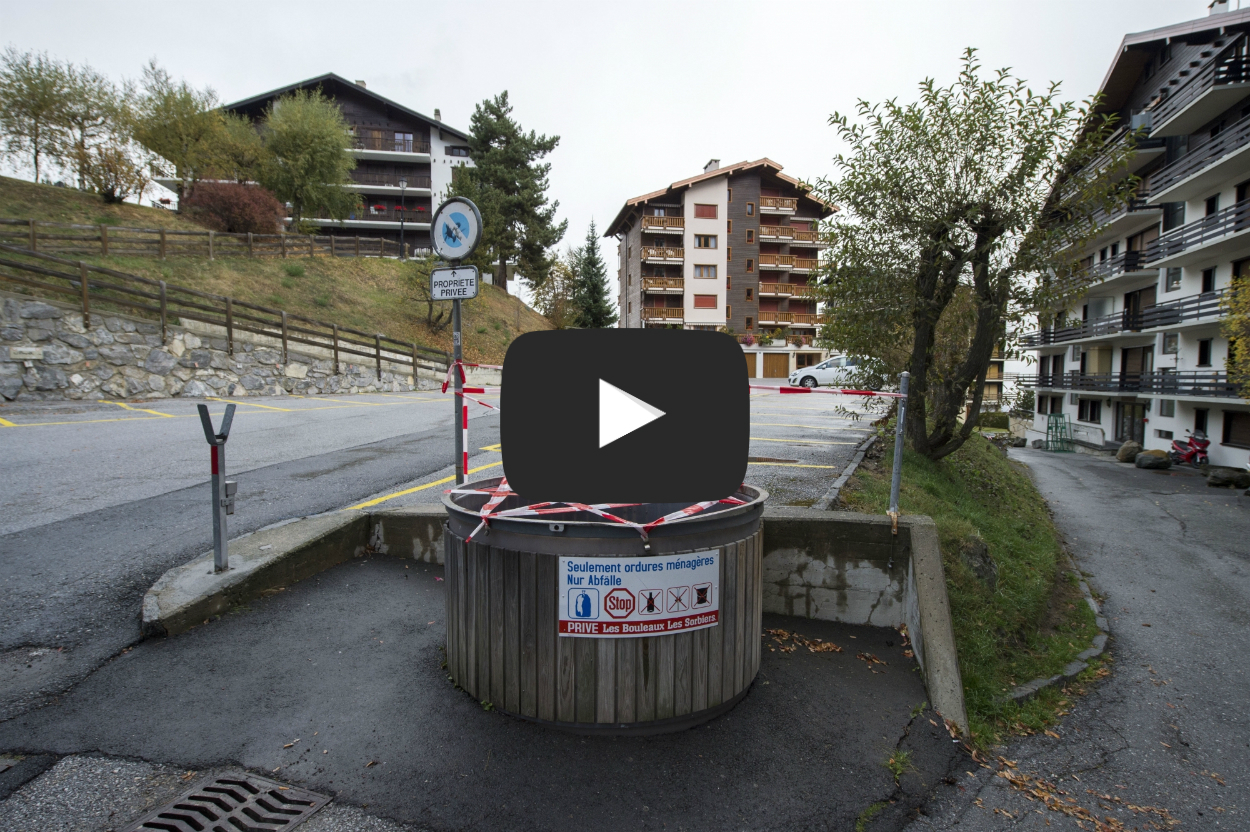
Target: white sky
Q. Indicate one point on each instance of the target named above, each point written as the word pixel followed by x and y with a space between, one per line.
pixel 641 94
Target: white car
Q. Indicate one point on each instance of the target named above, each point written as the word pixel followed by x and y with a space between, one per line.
pixel 834 372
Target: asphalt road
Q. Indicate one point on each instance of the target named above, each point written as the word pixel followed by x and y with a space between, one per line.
pixel 1169 729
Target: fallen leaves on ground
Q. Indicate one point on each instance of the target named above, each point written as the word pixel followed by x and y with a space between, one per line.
pixel 1057 800
pixel 815 645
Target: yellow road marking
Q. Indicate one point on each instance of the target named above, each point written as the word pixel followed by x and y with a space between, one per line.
pixel 341 401
pixel 810 427
pixel 443 481
pixel 125 406
pixel 496 448
pixel 801 441
pixel 5 423
pixel 792 465
pixel 250 404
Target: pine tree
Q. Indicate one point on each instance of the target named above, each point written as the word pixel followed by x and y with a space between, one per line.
pixel 594 305
pixel 509 186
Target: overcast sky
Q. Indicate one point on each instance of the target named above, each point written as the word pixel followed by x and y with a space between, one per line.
pixel 641 94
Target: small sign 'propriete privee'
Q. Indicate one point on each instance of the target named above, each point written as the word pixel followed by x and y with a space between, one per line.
pixel 459 283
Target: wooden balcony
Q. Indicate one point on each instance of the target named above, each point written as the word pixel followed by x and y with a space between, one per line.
pixel 390 180
pixel 664 225
pixel 662 313
pixel 806 319
pixel 802 290
pixel 777 261
pixel 776 232
pixel 390 145
pixel 768 317
pixel 663 284
pixel 778 205
pixel 776 290
pixel 662 254
pixel 811 238
pixel 806 264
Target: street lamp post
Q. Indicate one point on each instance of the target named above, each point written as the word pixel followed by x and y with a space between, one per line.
pixel 403 186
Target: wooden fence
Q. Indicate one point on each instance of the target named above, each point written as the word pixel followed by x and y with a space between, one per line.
pixel 73 239
pixel 89 284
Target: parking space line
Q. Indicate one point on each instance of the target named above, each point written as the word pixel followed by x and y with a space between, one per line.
pixel 497 448
pixel 125 406
pixel 443 481
pixel 251 404
pixel 793 465
pixel 5 423
pixel 810 427
pixel 801 441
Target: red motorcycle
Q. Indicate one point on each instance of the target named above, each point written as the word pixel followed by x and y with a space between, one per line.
pixel 1193 451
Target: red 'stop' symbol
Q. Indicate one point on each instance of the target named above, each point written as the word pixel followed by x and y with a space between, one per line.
pixel 619 603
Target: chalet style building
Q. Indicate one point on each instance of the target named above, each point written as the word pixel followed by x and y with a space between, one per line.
pixel 392 145
pixel 733 248
pixel 1142 355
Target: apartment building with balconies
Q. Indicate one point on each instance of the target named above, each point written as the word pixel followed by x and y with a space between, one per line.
pixel 1141 356
pixel 404 160
pixel 735 248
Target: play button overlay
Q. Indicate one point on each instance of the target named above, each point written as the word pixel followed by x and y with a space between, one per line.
pixel 624 416
pixel 621 413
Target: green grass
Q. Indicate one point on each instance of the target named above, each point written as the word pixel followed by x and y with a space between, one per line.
pixel 293 270
pixel 866 816
pixel 1035 620
pixel 898 763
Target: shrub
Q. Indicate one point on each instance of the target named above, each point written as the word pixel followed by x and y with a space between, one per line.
pixel 747 340
pixel 294 269
pixel 229 206
pixel 996 421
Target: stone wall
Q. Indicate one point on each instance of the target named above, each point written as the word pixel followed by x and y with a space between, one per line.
pixel 47 354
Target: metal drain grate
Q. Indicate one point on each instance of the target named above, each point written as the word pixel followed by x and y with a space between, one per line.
pixel 233 803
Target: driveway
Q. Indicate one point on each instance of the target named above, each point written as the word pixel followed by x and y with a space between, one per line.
pixel 1166 737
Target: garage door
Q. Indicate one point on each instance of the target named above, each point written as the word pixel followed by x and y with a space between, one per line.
pixel 750 364
pixel 776 365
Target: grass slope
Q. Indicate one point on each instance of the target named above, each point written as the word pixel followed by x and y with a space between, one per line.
pixel 1034 621
pixel 369 294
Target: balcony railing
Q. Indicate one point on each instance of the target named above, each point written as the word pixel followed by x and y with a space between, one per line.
pixel 1103 217
pixel 1229 67
pixel 1231 220
pixel 661 284
pixel 803 290
pixel 779 289
pixel 391 145
pixel 663 313
pixel 806 319
pixel 780 261
pixel 392 215
pixel 1195 307
pixel 806 263
pixel 1234 138
pixel 783 232
pixel 773 317
pixel 806 237
pixel 1160 383
pixel 778 203
pixel 662 253
pixel 663 222
pixel 1124 262
pixel 389 180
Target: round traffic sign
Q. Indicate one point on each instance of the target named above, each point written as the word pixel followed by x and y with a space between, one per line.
pixel 456 228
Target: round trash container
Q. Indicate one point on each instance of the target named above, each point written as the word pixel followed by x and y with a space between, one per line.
pixel 577 620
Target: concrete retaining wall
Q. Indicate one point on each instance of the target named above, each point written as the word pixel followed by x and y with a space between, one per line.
pixel 47 354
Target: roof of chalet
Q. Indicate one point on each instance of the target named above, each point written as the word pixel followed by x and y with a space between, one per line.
pixel 331 79
pixel 612 229
pixel 1137 48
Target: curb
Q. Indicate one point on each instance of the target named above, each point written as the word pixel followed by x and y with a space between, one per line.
pixel 826 502
pixel 1072 669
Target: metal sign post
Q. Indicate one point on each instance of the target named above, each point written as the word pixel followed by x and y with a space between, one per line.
pixel 223 489
pixel 897 476
pixel 455 230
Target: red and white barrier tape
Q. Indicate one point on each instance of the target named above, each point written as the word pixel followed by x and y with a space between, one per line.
pixel 460 365
pixel 843 391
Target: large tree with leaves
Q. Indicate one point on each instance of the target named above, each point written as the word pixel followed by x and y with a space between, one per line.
pixel 508 181
pixel 555 297
pixel 95 113
pixel 34 91
pixel 307 163
pixel 594 305
pixel 178 123
pixel 960 215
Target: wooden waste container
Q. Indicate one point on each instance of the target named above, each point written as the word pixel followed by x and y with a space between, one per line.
pixel 580 622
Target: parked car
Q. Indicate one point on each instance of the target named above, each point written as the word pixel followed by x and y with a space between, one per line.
pixel 832 372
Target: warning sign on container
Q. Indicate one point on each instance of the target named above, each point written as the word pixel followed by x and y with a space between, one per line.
pixel 632 597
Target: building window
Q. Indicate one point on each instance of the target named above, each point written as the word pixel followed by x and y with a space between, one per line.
pixel 729 252
pixel 750 265
pixel 730 194
pixel 1213 204
pixel 729 226
pixel 1204 352
pixel 750 294
pixel 629 307
pixel 403 142
pixel 1200 420
pixel 1173 280
pixel 750 235
pixel 704 211
pixel 750 324
pixel 1171 343
pixel 750 209
pixel 1089 410
pixel 456 150
pixel 1237 428
pixel 629 252
pixel 705 241
pixel 1167 407
pixel 729 281
pixel 705 271
pixel 1163 434
pixel 629 279
pixel 729 311
pixel 1208 280
pixel 1041 404
pixel 705 301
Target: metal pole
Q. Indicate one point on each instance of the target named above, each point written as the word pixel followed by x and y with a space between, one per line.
pixel 900 424
pixel 223 491
pixel 462 409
